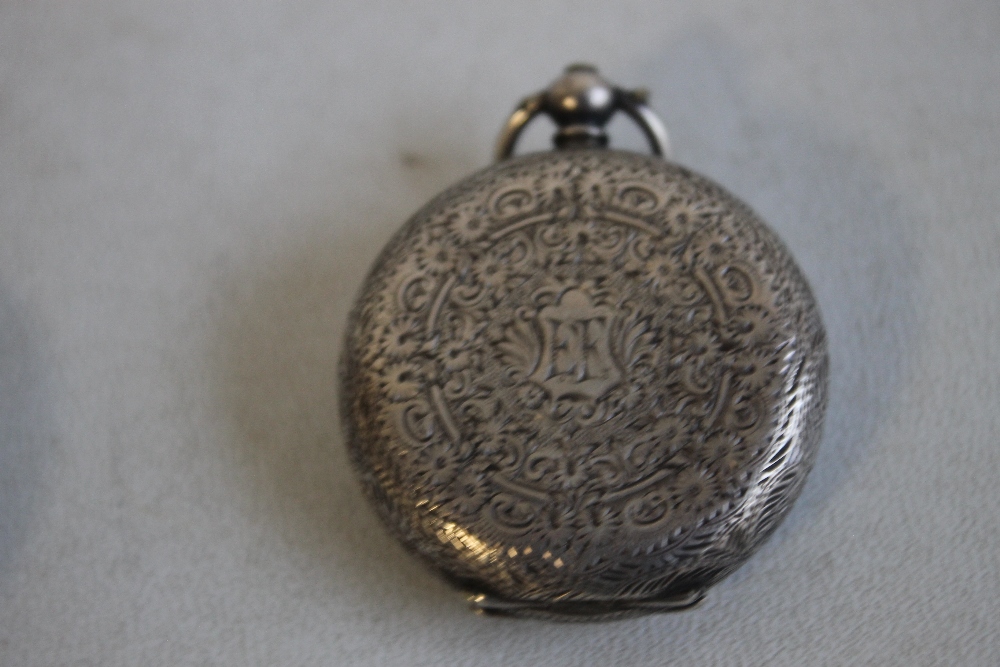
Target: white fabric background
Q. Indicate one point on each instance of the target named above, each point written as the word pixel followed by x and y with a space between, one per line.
pixel 190 194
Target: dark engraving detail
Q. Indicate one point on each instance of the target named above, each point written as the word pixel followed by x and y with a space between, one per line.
pixel 585 377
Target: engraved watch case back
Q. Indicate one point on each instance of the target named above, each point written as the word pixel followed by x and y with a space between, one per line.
pixel 584 383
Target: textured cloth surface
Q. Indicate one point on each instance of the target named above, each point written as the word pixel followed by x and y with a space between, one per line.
pixel 191 193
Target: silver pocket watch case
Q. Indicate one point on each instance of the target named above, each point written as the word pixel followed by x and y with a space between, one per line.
pixel 584 383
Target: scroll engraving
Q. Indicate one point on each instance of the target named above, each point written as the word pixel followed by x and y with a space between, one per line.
pixel 604 359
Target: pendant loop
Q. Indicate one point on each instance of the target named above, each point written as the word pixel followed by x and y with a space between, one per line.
pixel 581 103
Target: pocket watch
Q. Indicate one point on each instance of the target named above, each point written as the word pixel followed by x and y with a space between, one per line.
pixel 584 383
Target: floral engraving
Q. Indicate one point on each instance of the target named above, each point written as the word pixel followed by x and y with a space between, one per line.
pixel 604 359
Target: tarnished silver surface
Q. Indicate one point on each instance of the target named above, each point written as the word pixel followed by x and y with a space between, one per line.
pixel 584 383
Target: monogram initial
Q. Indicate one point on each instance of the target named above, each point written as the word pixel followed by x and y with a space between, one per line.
pixel 576 358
